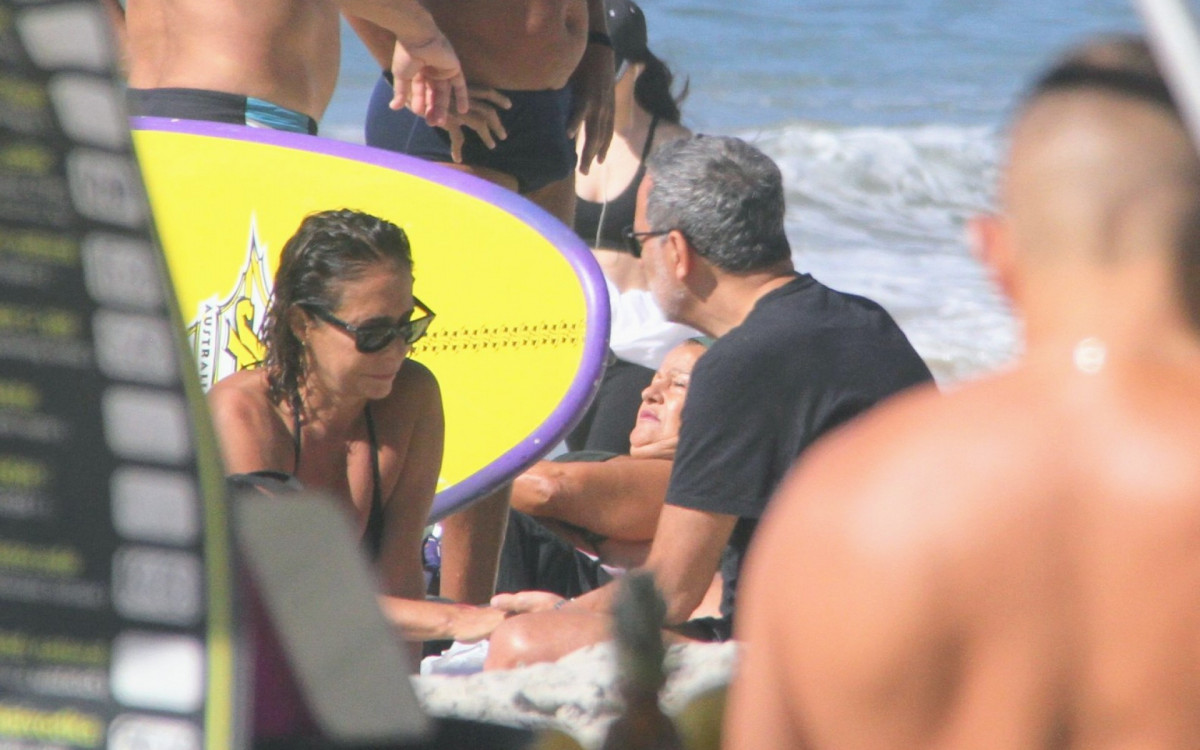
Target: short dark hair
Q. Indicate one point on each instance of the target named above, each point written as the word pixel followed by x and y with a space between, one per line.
pixel 329 249
pixel 726 197
pixel 1118 64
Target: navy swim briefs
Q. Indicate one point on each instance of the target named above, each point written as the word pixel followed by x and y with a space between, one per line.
pixel 537 151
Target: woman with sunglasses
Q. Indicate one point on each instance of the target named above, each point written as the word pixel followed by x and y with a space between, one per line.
pixel 337 405
pixel 646 115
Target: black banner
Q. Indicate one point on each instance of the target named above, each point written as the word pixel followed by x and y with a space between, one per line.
pixel 116 605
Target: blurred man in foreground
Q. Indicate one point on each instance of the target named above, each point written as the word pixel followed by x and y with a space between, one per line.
pixel 1015 565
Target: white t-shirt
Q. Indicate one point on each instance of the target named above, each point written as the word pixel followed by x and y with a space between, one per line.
pixel 640 332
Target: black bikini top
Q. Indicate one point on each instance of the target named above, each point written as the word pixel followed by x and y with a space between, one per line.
pixel 601 224
pixel 372 538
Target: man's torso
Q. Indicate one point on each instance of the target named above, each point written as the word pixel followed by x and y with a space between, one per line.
pixel 525 45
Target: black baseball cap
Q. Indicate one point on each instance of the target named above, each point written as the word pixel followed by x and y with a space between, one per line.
pixel 627 27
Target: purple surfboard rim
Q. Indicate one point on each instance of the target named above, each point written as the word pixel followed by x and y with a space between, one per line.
pixel 579 257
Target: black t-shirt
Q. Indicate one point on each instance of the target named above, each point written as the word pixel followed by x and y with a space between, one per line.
pixel 806 359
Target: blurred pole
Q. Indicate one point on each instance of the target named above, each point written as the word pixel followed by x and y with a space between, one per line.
pixel 1171 29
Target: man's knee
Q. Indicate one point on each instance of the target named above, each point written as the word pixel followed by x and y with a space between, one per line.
pixel 512 644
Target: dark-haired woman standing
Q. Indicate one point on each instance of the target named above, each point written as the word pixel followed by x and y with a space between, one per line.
pixel 646 115
pixel 338 405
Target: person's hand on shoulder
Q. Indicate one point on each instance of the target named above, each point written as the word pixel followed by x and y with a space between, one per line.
pixel 592 104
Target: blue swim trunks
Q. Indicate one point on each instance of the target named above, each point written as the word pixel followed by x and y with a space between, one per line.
pixel 217 106
pixel 537 151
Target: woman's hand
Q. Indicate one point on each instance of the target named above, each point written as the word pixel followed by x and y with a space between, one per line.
pixel 475 623
pixel 524 602
pixel 482 116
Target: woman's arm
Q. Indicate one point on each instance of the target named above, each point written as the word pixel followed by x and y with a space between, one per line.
pixel 620 498
pixel 415 424
pixel 411 427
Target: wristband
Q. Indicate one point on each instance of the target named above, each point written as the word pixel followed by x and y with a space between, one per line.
pixel 599 37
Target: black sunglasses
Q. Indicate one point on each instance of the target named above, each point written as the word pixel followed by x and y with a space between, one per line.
pixel 634 240
pixel 373 337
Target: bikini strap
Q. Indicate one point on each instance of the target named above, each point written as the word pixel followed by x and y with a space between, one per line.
pixel 373 536
pixel 649 138
pixel 295 441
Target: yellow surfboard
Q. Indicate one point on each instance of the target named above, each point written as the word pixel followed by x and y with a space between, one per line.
pixel 522 312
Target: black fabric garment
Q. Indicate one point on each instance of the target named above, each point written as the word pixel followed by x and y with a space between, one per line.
pixel 537 151
pixel 600 224
pixel 806 359
pixel 534 558
pixel 609 419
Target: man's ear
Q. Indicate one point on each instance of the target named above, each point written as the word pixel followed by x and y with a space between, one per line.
pixel 679 253
pixel 990 238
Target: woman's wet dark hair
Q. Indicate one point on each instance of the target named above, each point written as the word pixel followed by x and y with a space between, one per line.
pixel 329 249
pixel 652 91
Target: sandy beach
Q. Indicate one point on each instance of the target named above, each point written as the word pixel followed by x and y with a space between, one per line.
pixel 576 694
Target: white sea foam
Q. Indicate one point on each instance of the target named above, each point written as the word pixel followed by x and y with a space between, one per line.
pixel 882 212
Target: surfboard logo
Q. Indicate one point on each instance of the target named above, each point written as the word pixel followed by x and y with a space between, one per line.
pixel 224 333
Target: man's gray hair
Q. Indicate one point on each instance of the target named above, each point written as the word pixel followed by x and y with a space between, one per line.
pixel 725 196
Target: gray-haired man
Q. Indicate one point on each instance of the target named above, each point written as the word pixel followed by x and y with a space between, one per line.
pixel 793 359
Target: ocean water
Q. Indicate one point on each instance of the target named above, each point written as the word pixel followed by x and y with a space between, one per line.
pixel 887 119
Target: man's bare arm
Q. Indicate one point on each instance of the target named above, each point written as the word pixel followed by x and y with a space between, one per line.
pixel 426 73
pixel 685 555
pixel 483 104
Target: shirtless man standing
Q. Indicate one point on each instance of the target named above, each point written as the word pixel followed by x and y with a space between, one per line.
pixel 1014 565
pixel 538 69
pixel 274 63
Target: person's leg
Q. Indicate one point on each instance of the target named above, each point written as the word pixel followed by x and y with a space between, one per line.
pixel 558 199
pixel 544 636
pixel 471 543
pixel 548 636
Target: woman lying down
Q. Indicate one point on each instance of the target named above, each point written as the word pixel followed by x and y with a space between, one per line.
pixel 583 518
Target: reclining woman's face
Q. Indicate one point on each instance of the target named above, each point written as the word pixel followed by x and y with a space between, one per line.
pixel 657 430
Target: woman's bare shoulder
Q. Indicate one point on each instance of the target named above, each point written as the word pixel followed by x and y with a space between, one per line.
pixel 241 397
pixel 415 394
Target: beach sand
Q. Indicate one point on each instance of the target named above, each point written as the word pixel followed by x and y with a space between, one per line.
pixel 577 694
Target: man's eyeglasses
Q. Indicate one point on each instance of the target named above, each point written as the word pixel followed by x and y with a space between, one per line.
pixel 634 240
pixel 374 337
